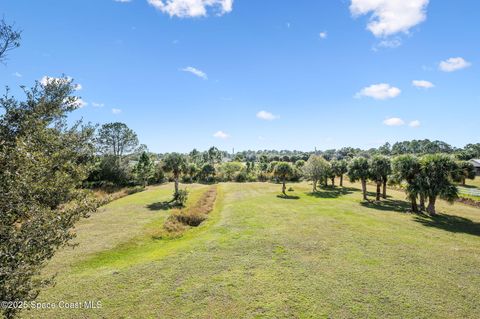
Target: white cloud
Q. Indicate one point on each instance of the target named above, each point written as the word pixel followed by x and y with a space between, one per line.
pixel 192 8
pixel 267 116
pixel 323 34
pixel 388 43
pixel 454 64
pixel 380 91
pixel 221 134
pixel 47 79
pixel 423 84
pixel 18 75
pixel 415 123
pixel 390 16
pixel 96 104
pixel 123 1
pixel 196 72
pixel 394 121
pixel 116 111
pixel 80 103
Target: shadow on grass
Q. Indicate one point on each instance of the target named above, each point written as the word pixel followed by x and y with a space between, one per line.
pixel 454 224
pixel 332 192
pixel 288 197
pixel 395 205
pixel 162 206
pixel 468 186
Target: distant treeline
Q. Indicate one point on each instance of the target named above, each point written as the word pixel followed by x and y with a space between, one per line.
pixel 121 160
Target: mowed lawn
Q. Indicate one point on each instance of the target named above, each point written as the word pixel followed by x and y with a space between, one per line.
pixel 326 255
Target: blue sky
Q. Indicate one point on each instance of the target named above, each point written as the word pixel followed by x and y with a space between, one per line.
pixel 196 73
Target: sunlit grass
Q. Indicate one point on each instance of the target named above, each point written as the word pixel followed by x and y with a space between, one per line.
pixel 317 256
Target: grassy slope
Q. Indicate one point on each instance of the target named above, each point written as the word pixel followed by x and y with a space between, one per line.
pixel 262 256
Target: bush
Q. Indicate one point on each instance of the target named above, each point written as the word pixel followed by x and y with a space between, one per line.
pixel 181 197
pixel 241 177
pixel 193 216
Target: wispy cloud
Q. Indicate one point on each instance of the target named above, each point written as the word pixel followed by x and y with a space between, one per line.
pixel 192 8
pixel 323 35
pixel 96 104
pixel 390 43
pixel 18 75
pixel 123 1
pixel 454 64
pixel 195 72
pixel 222 135
pixel 380 91
pixel 116 111
pixel 423 84
pixel 267 116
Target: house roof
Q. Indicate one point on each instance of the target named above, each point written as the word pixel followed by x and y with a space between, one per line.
pixel 475 162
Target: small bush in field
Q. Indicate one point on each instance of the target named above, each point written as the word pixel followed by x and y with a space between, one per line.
pixel 180 198
pixel 193 216
pixel 291 189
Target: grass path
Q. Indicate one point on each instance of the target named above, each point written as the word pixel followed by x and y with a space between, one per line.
pixel 326 255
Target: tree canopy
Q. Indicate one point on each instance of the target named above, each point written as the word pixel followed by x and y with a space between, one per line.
pixel 44 163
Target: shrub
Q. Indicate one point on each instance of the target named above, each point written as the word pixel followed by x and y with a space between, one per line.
pixel 180 198
pixel 241 177
pixel 179 220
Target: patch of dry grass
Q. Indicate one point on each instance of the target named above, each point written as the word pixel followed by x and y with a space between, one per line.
pixel 182 219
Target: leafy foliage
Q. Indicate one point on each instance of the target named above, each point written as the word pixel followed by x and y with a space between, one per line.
pixel 316 170
pixel 43 163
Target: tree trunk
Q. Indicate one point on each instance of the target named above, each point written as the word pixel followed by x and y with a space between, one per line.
pixel 326 181
pixel 422 202
pixel 413 199
pixel 379 185
pixel 176 184
pixel 284 188
pixel 431 205
pixel 364 189
pixel 463 181
pixel 333 181
pixel 341 180
pixel 314 182
pixel 384 195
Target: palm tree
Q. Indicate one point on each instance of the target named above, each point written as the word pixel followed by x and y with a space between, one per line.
pixel 379 170
pixel 176 164
pixel 439 171
pixel 359 170
pixel 406 168
pixel 282 171
pixel 340 167
pixel 465 170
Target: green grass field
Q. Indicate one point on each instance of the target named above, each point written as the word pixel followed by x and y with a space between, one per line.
pixel 326 255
